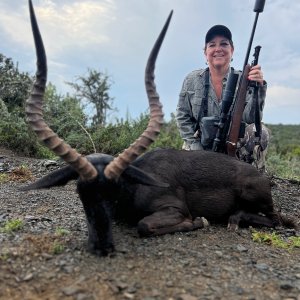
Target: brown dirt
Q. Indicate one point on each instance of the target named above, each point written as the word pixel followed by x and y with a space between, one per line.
pixel 47 257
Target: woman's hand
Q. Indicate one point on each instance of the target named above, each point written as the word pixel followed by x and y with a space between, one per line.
pixel 256 74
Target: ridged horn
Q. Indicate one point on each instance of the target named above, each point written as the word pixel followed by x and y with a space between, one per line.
pixel 115 168
pixel 34 111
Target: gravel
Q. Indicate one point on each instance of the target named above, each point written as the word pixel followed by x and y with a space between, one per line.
pixel 47 257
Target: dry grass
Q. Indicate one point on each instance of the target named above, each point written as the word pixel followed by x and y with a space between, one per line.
pixel 21 174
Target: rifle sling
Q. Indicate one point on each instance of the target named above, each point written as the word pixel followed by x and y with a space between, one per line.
pixel 205 100
pixel 204 104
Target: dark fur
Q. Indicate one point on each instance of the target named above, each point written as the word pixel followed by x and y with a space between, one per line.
pixel 166 191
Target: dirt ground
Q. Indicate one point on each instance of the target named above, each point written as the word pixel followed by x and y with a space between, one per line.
pixel 47 257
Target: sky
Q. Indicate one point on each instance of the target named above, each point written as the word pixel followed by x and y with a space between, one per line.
pixel 116 37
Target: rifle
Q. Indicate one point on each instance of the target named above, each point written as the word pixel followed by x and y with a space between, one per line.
pixel 229 126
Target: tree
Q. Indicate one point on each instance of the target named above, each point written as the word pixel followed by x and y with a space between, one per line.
pixel 94 89
pixel 62 113
pixel 14 85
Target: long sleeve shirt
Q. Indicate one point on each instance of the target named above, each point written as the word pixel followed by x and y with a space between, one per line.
pixel 190 99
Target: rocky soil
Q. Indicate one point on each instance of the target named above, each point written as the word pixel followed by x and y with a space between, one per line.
pixel 47 258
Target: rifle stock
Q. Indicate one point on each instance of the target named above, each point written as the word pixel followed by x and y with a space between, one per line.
pixel 237 113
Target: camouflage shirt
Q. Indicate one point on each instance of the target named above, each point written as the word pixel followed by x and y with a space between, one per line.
pixel 190 99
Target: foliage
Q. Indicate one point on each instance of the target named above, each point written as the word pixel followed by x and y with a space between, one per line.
pixel 46 243
pixel 57 248
pixel 3 110
pixel 12 225
pixel 275 240
pixel 282 167
pixel 14 88
pixel 94 89
pixel 14 85
pixel 63 114
pixel 59 242
pixel 114 138
pixel 285 139
pixel 5 255
pixel 283 159
pixel 169 136
pixel 61 231
pixel 43 152
pixel 20 174
pixel 15 134
pixel 4 177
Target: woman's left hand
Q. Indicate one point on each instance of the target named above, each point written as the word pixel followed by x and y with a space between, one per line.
pixel 256 74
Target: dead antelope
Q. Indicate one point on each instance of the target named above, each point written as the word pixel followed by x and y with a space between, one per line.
pixel 162 191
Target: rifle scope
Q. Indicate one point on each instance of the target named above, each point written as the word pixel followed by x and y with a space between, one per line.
pixel 229 92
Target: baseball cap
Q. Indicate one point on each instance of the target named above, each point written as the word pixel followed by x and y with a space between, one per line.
pixel 218 30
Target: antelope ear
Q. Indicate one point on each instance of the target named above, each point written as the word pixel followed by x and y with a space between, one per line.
pixel 56 178
pixel 135 175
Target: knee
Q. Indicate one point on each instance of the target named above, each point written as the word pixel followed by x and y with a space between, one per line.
pixel 144 229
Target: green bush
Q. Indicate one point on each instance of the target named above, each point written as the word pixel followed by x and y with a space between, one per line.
pixel 113 139
pixel 14 85
pixel 169 136
pixel 12 225
pixel 283 159
pixel 3 110
pixel 282 167
pixel 14 134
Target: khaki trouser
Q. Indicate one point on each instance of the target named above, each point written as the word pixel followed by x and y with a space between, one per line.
pixel 251 153
pixel 247 150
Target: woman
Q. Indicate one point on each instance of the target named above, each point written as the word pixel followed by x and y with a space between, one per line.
pixel 200 102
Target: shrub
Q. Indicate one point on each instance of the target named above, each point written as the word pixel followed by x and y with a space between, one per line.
pixel 282 167
pixel 12 225
pixel 276 240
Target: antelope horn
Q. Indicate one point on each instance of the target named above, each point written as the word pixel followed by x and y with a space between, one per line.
pixel 115 168
pixel 34 112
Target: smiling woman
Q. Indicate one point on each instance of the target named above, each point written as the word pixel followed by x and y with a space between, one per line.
pixel 200 101
pixel 218 53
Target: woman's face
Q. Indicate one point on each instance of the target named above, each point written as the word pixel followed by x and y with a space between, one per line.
pixel 218 52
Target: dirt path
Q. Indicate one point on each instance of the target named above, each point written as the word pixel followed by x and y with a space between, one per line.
pixel 47 258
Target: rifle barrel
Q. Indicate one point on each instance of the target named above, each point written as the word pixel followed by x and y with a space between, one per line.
pixel 258 8
pixel 251 40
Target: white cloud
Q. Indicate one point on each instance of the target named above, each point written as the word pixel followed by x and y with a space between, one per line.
pixel 77 23
pixel 282 105
pixel 283 96
pixel 63 26
pixel 13 24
